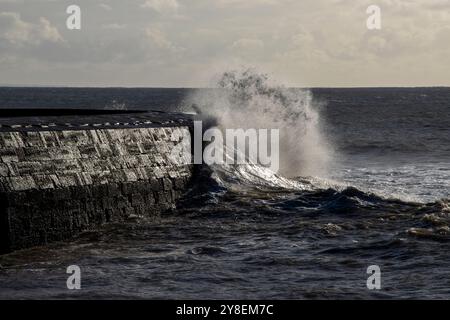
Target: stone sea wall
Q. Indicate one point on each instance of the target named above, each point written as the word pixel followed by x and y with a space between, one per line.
pixel 56 184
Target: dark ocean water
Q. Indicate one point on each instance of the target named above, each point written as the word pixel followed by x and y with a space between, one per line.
pixel 384 202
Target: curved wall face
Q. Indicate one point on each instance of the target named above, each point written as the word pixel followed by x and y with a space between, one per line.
pixel 55 184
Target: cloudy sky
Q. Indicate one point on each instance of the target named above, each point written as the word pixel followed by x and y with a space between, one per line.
pixel 184 43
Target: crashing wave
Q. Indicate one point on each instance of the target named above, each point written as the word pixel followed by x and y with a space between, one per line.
pixel 249 100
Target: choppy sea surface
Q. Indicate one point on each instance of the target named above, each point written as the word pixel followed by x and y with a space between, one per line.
pixel 385 201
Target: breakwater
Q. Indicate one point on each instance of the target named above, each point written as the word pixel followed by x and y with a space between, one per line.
pixel 61 174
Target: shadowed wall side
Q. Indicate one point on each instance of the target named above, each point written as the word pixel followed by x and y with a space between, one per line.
pixel 55 184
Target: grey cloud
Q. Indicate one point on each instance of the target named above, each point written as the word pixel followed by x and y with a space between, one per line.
pixel 170 42
pixel 19 32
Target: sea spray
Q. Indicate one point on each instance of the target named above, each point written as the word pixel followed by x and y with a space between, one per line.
pixel 247 99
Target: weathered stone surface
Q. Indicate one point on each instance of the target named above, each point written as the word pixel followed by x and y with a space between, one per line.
pixel 55 184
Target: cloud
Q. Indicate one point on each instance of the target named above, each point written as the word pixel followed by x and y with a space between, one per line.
pixel 247 3
pixel 168 42
pixel 48 32
pixel 105 6
pixel 161 6
pixel 158 38
pixel 18 32
pixel 247 45
pixel 114 26
pixel 160 41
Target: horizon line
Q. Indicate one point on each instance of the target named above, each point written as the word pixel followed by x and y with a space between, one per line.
pixel 194 88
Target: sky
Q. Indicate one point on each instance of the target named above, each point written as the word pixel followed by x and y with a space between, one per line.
pixel 186 43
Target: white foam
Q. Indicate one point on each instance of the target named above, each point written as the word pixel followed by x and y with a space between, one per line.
pixel 248 99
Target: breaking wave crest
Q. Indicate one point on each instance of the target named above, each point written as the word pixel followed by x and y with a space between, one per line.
pixel 250 100
pixel 245 99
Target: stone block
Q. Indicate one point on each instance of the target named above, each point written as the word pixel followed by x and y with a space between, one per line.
pixel 55 184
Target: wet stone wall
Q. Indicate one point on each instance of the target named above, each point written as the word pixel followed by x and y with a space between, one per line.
pixel 56 184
